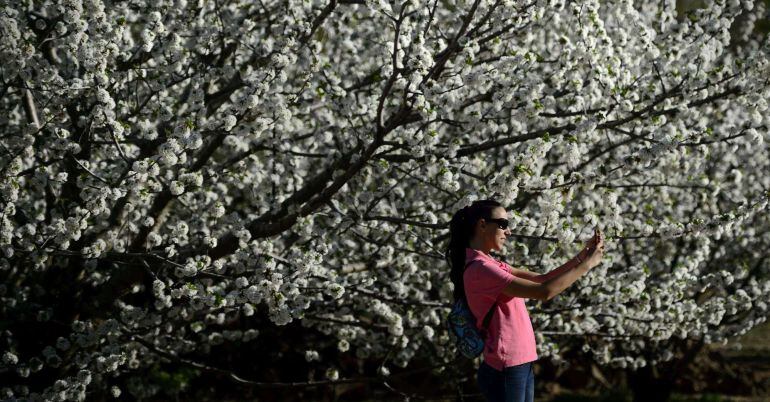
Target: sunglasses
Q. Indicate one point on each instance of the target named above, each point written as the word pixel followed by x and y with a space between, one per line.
pixel 501 222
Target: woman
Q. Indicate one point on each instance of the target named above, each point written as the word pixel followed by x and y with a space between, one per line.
pixel 493 287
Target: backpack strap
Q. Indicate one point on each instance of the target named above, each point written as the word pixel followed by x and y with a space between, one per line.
pixel 488 316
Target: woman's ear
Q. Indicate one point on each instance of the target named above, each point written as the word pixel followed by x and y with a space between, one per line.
pixel 479 225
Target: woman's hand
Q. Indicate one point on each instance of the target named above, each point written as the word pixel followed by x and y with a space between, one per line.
pixel 586 251
pixel 591 243
pixel 596 254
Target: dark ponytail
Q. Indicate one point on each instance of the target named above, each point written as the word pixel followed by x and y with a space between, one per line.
pixel 460 232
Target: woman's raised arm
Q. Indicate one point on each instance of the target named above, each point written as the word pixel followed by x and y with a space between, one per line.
pixel 548 289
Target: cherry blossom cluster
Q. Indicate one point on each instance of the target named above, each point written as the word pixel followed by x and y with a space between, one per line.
pixel 177 176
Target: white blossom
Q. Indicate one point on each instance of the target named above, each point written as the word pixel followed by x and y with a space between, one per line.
pixel 332 374
pixel 10 358
pixel 206 173
pixel 311 355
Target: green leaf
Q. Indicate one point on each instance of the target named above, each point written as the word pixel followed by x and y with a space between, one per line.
pixel 521 168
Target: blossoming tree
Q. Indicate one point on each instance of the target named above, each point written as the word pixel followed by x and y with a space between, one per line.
pixel 177 177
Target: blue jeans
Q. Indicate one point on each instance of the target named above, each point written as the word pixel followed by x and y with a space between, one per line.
pixel 513 384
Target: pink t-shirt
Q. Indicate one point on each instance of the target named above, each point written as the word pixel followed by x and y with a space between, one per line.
pixel 510 338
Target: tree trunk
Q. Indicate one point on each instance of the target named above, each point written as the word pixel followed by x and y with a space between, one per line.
pixel 650 384
pixel 656 382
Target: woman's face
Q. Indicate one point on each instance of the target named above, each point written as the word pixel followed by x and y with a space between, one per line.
pixel 489 233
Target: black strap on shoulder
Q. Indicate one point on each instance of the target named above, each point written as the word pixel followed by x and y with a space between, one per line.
pixel 488 317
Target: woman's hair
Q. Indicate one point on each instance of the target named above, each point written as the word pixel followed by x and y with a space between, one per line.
pixel 460 233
